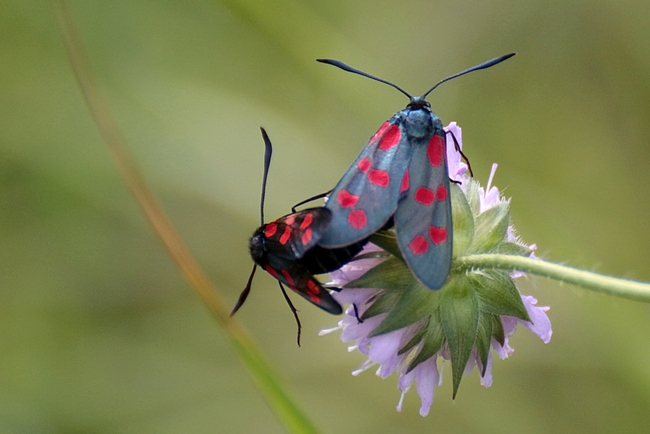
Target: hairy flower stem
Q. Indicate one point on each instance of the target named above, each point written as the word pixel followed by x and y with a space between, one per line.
pixel 623 288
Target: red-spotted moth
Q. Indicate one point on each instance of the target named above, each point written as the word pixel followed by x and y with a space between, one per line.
pixel 287 249
pixel 401 174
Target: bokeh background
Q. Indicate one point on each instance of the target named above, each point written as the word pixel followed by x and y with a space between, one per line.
pixel 99 332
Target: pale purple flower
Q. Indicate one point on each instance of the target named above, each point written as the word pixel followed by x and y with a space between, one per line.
pixel 383 350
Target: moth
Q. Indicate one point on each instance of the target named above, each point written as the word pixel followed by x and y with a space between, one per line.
pixel 401 174
pixel 287 249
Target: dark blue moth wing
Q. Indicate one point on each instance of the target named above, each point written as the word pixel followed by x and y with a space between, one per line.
pixel 423 218
pixel 366 196
pixel 294 234
pixel 300 280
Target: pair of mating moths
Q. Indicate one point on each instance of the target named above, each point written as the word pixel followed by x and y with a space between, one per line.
pixel 400 179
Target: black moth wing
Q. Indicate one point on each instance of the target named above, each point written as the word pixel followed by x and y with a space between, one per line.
pixel 320 260
pixel 300 280
pixel 292 235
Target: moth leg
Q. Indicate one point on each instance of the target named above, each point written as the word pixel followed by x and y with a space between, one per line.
pixel 356 313
pixel 293 309
pixel 469 166
pixel 318 196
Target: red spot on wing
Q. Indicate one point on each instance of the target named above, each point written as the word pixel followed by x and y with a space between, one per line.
pixel 312 288
pixel 290 219
pixel 419 245
pixel 438 235
pixel 424 196
pixel 306 237
pixel 435 150
pixel 405 182
pixel 270 230
pixel 313 291
pixel 287 276
pixel 442 193
pixel 390 138
pixel 307 221
pixel 271 271
pixel 285 236
pixel 380 131
pixel 364 164
pixel 379 177
pixel 358 219
pixel 346 200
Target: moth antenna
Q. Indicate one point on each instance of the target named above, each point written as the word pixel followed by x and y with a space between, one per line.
pixel 483 65
pixel 268 151
pixel 293 309
pixel 244 294
pixel 348 68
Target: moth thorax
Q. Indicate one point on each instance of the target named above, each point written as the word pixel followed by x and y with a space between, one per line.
pixel 419 123
pixel 257 247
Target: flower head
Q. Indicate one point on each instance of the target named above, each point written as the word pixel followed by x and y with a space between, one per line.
pixel 405 328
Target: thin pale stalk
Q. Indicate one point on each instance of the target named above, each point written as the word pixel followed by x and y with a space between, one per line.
pixel 265 378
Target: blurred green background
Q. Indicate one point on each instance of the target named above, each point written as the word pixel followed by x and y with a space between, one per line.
pixel 99 333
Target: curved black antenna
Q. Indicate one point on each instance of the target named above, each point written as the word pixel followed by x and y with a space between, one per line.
pixel 348 68
pixel 268 150
pixel 483 65
pixel 244 294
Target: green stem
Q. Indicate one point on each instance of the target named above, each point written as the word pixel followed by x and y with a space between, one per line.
pixel 265 378
pixel 623 288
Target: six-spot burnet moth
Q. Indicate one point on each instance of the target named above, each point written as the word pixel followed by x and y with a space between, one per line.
pixel 401 173
pixel 286 248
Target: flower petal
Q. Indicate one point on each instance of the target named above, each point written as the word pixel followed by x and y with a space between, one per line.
pixel 427 379
pixel 455 164
pixel 486 378
pixel 540 325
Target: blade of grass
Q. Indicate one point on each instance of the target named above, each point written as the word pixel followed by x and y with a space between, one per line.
pixel 262 374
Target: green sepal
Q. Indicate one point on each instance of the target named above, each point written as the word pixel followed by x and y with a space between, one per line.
pixel 498 294
pixel 491 228
pixel 387 240
pixel 415 340
pixel 483 339
pixel 463 221
pixel 415 304
pixel 390 275
pixel 380 254
pixel 472 196
pixel 382 304
pixel 431 343
pixel 497 330
pixel 459 312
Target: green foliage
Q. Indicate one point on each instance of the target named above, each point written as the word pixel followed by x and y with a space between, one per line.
pixel 99 332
